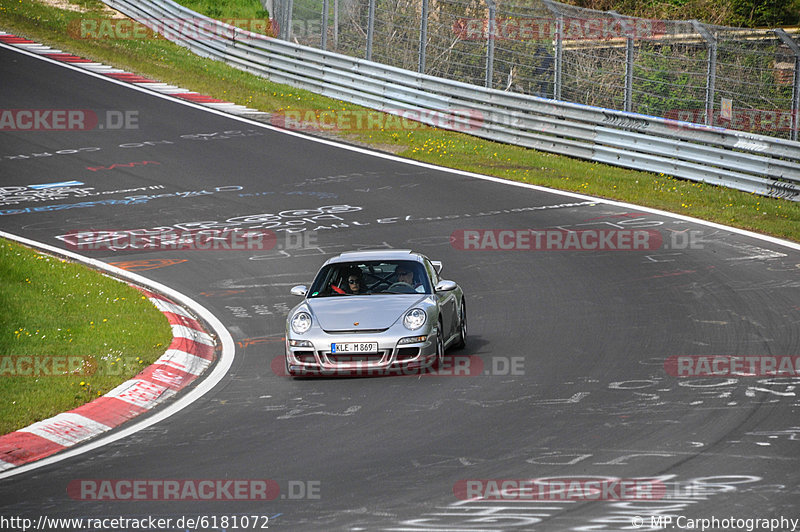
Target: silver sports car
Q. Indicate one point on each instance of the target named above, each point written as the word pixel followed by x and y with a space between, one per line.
pixel 372 313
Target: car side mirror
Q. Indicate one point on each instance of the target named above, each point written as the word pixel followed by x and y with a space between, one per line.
pixel 299 290
pixel 445 286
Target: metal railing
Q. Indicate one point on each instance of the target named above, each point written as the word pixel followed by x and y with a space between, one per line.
pixel 745 161
pixel 745 79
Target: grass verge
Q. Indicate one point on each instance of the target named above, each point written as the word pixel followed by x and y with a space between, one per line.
pixel 160 59
pixel 67 335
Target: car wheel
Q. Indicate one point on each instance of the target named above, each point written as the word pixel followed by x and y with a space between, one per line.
pixel 462 327
pixel 439 347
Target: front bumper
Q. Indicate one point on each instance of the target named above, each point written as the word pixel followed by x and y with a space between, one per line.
pixel 392 357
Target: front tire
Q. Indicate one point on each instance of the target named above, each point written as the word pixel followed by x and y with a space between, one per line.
pixel 439 347
pixel 461 343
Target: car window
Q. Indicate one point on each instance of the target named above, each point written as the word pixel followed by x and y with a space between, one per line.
pixel 432 272
pixel 374 277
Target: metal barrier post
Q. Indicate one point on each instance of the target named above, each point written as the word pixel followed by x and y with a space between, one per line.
pixel 423 37
pixel 370 29
pixel 287 23
pixel 796 88
pixel 323 39
pixel 623 23
pixel 711 74
pixel 335 24
pixel 628 74
pixel 490 43
pixel 558 53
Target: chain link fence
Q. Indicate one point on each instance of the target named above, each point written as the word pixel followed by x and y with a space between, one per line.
pixel 736 78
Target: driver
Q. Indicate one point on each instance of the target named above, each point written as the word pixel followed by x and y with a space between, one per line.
pixel 405 275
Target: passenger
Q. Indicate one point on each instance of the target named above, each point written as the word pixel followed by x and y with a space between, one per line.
pixel 355 282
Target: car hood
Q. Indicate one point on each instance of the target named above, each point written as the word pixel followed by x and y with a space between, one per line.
pixel 370 312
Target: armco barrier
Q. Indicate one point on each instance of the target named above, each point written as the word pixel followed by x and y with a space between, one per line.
pixel 744 161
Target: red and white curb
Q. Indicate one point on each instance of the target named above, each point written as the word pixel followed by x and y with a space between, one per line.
pixel 191 352
pixel 128 77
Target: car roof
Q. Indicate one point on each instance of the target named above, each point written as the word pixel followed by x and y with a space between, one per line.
pixel 376 254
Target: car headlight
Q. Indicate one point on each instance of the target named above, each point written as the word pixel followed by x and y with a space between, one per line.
pixel 414 319
pixel 301 322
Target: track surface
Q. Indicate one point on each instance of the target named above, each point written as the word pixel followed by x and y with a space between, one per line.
pixel 589 332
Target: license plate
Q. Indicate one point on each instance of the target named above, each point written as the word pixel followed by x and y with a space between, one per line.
pixel 354 347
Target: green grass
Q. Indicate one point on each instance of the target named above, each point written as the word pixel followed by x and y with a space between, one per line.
pixel 54 309
pixel 167 62
pixel 227 9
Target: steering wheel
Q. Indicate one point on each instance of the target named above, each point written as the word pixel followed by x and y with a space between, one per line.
pixel 405 288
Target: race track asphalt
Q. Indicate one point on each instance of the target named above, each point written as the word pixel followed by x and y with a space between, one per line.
pixel 569 346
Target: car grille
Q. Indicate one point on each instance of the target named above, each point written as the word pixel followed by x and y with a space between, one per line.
pixel 346 358
pixel 343 358
pixel 356 331
pixel 305 356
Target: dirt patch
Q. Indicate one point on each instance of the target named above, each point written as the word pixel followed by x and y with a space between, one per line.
pixel 69 6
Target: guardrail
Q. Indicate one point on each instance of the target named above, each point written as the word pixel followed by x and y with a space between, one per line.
pixel 745 161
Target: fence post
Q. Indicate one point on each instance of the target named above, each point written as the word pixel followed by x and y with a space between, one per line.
pixel 624 25
pixel 279 17
pixel 788 41
pixel 628 74
pixel 370 28
pixel 323 39
pixel 559 48
pixel 490 43
pixel 287 19
pixel 711 75
pixel 423 36
pixel 335 24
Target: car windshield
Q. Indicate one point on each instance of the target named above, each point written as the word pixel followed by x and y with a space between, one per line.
pixel 371 277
